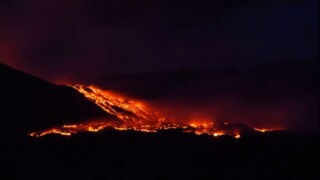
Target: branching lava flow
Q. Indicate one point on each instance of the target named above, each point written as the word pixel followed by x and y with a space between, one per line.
pixel 134 115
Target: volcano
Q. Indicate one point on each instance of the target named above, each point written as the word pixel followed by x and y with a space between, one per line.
pixel 109 134
pixel 136 116
pixel 55 105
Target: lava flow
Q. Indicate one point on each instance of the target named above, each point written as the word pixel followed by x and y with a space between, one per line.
pixel 134 115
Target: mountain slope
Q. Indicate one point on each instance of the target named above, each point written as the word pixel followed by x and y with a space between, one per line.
pixel 283 94
pixel 271 80
pixel 29 103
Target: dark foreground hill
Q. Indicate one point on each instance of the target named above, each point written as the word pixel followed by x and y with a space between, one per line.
pixel 29 103
pixel 165 155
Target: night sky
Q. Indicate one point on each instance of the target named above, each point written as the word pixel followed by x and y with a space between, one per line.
pixel 74 40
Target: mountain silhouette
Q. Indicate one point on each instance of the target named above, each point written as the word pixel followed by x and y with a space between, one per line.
pixel 267 82
pixel 29 103
pixel 284 91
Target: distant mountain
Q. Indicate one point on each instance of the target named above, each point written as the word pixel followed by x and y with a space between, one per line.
pixel 29 103
pixel 272 80
pixel 285 92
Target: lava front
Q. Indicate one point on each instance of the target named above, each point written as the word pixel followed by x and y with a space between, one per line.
pixel 133 115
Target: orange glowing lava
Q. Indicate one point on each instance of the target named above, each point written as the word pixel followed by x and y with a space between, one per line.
pixel 263 130
pixel 133 115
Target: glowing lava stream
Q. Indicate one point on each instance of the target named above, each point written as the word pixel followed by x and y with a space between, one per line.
pixel 133 115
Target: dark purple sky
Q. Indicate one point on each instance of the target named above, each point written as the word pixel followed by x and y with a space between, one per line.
pixel 78 39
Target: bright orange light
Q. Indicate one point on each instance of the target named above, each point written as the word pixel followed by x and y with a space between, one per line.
pixel 263 130
pixel 237 136
pixel 216 134
pixel 194 125
pixel 133 115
